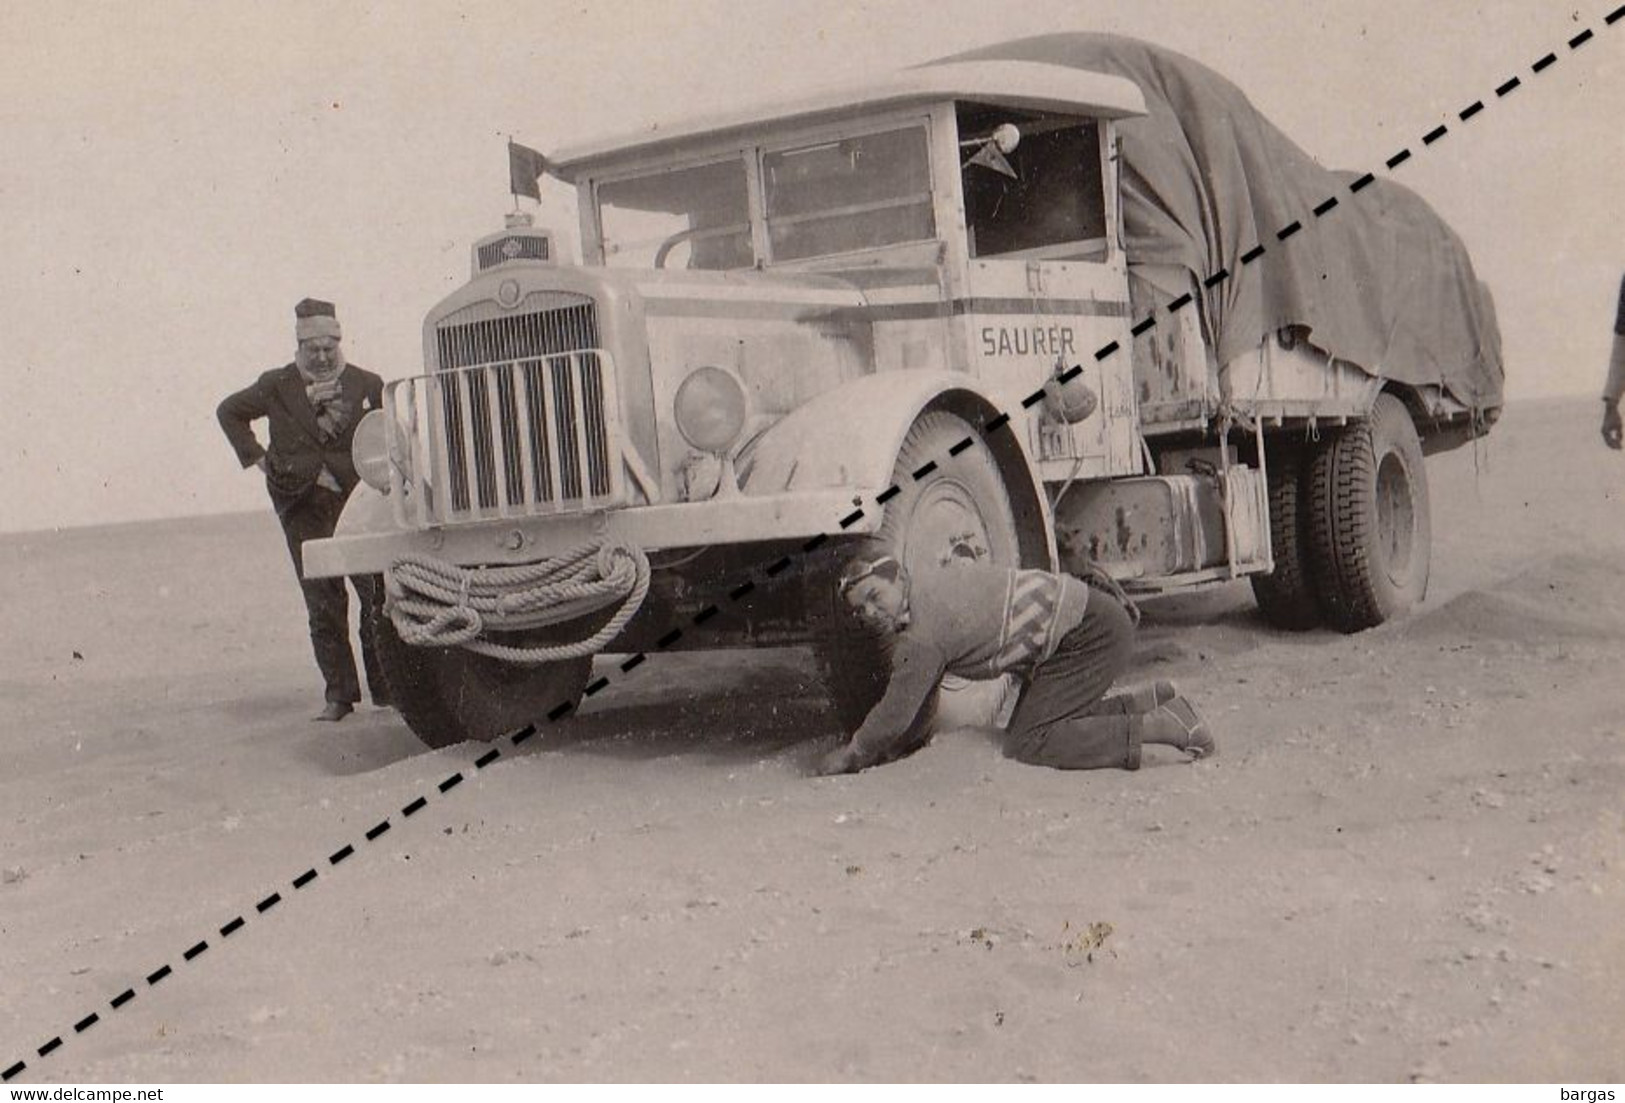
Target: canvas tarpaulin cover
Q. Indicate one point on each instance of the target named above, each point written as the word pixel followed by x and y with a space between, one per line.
pixel 1379 280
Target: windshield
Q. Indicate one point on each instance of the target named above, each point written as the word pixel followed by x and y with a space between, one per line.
pixel 696 217
pixel 856 193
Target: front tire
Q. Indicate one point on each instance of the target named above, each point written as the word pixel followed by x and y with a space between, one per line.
pixel 448 695
pixel 958 509
pixel 1370 523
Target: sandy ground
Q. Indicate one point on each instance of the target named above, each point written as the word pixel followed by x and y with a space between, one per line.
pixel 1407 861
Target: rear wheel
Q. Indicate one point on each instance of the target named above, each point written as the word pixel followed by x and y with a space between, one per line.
pixel 1370 528
pixel 958 509
pixel 1286 596
pixel 448 694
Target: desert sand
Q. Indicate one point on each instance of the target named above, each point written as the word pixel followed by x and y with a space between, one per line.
pixel 1407 861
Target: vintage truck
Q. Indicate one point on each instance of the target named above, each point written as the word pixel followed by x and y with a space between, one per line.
pixel 1065 302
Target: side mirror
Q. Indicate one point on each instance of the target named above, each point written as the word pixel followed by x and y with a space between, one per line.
pixel 1006 136
pixel 991 150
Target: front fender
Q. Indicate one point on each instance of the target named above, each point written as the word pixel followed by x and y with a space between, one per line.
pixel 849 438
pixel 368 512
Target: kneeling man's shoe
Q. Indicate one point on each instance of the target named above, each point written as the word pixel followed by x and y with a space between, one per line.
pixel 1149 698
pixel 335 711
pixel 1178 724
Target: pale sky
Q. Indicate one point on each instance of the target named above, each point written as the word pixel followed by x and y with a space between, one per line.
pixel 174 175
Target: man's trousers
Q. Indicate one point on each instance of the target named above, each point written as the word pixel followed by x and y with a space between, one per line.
pixel 314 517
pixel 1064 718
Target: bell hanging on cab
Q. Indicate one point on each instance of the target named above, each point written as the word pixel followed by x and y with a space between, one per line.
pixel 1071 400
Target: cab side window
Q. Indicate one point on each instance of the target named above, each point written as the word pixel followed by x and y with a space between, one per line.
pixel 1045 193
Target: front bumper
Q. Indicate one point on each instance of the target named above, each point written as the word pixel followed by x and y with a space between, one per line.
pixel 368 541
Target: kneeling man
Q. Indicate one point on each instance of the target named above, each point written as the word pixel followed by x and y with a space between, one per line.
pixel 1065 640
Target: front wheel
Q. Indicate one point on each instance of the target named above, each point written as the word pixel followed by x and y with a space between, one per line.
pixel 959 508
pixel 448 695
pixel 1370 528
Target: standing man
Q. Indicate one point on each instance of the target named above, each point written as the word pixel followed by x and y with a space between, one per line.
pixel 1613 431
pixel 312 406
pixel 1067 641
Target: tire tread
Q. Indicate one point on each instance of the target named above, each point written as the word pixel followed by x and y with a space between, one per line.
pixel 1286 596
pixel 1352 587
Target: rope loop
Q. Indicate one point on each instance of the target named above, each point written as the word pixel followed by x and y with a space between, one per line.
pixel 433 603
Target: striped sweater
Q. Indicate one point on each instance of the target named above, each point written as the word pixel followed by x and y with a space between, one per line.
pixel 974 620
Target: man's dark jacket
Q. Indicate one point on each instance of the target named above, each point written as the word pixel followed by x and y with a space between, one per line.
pixel 298 449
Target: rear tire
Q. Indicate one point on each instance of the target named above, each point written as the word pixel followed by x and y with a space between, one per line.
pixel 1286 596
pixel 1370 526
pixel 448 695
pixel 960 508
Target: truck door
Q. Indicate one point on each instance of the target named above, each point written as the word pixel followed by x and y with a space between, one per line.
pixel 1046 283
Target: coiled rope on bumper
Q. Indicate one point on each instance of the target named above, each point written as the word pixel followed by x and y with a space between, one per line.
pixel 438 604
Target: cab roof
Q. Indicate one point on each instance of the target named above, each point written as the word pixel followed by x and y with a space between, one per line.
pixel 1030 85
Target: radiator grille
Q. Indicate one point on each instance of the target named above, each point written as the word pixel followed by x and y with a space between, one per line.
pixel 519 421
pixel 518 336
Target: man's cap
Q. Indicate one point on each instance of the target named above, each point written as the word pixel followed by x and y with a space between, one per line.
pixel 863 566
pixel 315 318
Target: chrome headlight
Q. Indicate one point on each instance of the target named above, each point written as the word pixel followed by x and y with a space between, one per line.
pixel 369 450
pixel 710 409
